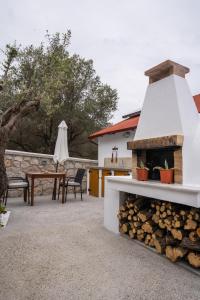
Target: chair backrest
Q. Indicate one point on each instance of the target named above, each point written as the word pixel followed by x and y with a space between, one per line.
pixel 17 182
pixel 79 175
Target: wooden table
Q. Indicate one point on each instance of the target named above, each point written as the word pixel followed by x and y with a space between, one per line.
pixel 35 175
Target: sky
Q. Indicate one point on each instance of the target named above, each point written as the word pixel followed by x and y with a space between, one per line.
pixel 123 38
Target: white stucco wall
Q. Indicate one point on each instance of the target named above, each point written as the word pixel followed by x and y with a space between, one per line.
pixel 169 109
pixel 107 142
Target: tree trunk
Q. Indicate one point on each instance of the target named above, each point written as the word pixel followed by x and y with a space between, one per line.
pixel 8 123
pixel 3 176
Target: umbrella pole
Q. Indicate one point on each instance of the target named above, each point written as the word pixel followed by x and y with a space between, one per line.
pixel 55 184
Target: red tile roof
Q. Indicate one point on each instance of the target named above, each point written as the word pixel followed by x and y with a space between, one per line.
pixel 197 101
pixel 124 125
pixel 130 123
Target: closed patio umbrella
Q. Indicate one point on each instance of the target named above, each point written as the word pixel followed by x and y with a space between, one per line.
pixel 61 149
pixel 61 152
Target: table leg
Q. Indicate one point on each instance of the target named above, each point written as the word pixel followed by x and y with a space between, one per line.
pixel 63 190
pixel 32 191
pixel 54 189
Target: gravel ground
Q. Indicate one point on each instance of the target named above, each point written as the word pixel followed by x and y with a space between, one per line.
pixel 53 251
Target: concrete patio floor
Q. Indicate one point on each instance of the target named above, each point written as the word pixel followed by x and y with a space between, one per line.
pixel 53 251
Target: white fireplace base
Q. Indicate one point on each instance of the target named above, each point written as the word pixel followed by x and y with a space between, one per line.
pixel 116 186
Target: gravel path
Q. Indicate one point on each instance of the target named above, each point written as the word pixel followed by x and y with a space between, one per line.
pixel 53 251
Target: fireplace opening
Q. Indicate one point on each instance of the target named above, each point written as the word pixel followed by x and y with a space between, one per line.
pixel 157 157
pixel 154 151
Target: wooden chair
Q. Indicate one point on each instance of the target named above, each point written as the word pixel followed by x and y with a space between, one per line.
pixel 74 182
pixel 17 183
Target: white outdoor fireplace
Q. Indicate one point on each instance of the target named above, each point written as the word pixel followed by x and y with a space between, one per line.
pixel 169 128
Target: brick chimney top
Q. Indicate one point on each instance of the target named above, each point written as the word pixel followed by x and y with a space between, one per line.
pixel 165 69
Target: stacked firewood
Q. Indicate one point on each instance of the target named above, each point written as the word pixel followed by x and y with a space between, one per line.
pixel 173 229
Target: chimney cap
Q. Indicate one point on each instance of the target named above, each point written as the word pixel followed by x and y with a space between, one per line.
pixel 165 69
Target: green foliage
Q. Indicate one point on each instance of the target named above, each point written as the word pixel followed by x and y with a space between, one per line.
pixel 2 209
pixel 166 166
pixel 142 165
pixel 69 90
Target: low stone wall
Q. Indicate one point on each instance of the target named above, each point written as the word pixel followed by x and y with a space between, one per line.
pixel 18 163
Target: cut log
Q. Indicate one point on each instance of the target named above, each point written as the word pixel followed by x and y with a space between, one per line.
pixel 190 225
pixel 163 215
pixel 155 218
pixel 175 253
pixel 158 207
pixel 162 208
pixel 134 230
pixel 140 237
pixel 183 212
pixel 169 212
pixel 124 214
pixel 193 236
pixel 161 224
pixel 160 245
pixel 169 228
pixel 140 231
pixel 145 215
pixel 168 220
pixel 151 243
pixel 198 231
pixel 194 259
pixel 137 224
pixel 130 217
pixel 197 217
pixel 149 226
pixel 147 239
pixel 178 234
pixel 158 213
pixel 190 216
pixel 131 234
pixel 177 217
pixel 130 203
pixel 131 212
pixel 187 243
pixel 122 208
pixel 178 223
pixel 125 227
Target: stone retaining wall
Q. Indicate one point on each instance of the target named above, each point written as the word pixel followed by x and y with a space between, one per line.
pixel 18 163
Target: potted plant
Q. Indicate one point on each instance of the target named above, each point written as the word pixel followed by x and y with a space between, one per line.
pixel 166 173
pixel 142 172
pixel 4 215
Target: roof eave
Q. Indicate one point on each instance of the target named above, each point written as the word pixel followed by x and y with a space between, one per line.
pixel 91 137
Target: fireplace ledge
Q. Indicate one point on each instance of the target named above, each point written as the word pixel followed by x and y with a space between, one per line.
pixel 177 193
pixel 155 189
pixel 156 142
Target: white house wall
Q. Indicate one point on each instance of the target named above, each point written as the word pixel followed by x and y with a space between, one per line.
pixel 107 142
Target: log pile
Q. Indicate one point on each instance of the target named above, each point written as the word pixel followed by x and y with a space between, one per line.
pixel 172 229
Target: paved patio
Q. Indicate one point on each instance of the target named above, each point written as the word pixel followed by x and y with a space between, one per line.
pixel 53 251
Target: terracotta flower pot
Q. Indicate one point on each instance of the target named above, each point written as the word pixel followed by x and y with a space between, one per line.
pixel 142 174
pixel 167 176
